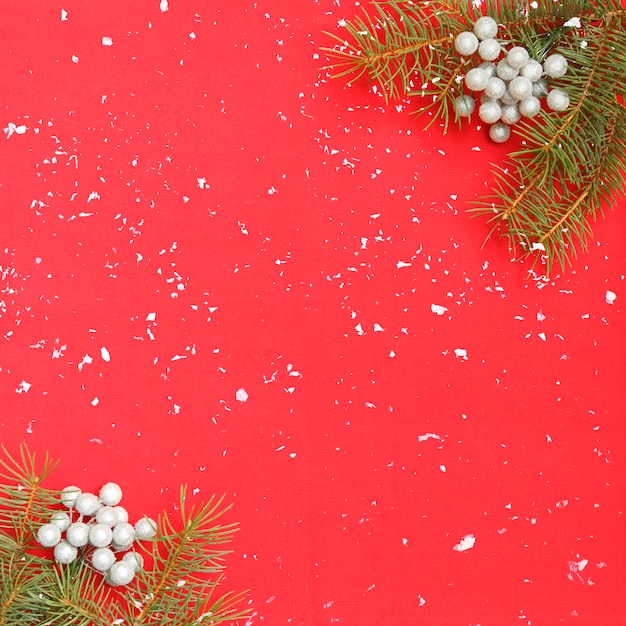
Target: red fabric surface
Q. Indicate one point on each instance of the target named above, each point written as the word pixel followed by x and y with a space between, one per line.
pixel 199 200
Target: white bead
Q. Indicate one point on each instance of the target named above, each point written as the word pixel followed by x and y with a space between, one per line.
pixel 499 132
pixel 489 67
pixel 78 534
pixel 507 98
pixel 49 535
pixel 102 559
pixel 120 573
pixel 87 504
pixel 485 27
pixel 521 88
pixel 558 100
pixel 61 519
pixel 476 79
pixel 517 57
pixel 145 528
pixel 69 495
pixel 65 552
pixel 540 88
pixel 123 535
pixel 510 114
pixel 532 70
pixel 464 105
pixel 505 71
pixel 135 559
pixel 495 88
pixel 489 49
pixel 466 43
pixel 555 66
pixel 107 515
pixel 111 494
pixel 122 514
pixel 100 535
pixel 490 112
pixel 530 106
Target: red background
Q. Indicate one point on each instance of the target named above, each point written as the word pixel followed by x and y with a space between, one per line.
pixel 280 275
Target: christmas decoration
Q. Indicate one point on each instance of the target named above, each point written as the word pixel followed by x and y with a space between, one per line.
pixel 559 87
pixel 63 568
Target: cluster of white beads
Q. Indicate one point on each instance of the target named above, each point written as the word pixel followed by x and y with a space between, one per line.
pixel 98 524
pixel 510 87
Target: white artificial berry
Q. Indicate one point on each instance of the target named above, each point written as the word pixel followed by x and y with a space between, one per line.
pixel 555 66
pixel 145 528
pixel 490 112
pixel 510 114
pixel 540 88
pixel 87 504
pixel 532 70
pixel 507 98
pixel 489 49
pixel 521 88
pixel 49 535
pixel 485 27
pixel 123 536
pixel 102 559
pixel 466 43
pixel 557 100
pixel 517 57
pixel 61 519
pixel 476 79
pixel 135 559
pixel 499 132
pixel 69 495
pixel 489 67
pixel 122 514
pixel 100 535
pixel 77 534
pixel 107 515
pixel 111 494
pixel 529 107
pixel 120 573
pixel 65 552
pixel 505 71
pixel 495 88
pixel 464 105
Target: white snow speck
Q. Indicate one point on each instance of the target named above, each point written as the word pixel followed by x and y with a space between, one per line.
pixel 427 436
pixel 14 128
pixel 378 328
pixel 63 15
pixel 107 41
pixel 241 395
pixel 74 59
pixel 163 6
pixel 610 297
pixel 438 309
pixel 573 22
pixel 400 264
pixel 104 353
pixel 23 387
pixel 151 317
pixel 461 353
pixel 467 543
pixel 95 401
pixel 537 246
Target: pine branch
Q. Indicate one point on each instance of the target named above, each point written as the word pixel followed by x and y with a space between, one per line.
pixel 571 164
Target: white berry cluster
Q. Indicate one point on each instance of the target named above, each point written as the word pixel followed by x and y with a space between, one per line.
pixel 510 87
pixel 97 526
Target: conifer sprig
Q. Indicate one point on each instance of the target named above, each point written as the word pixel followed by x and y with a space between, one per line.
pixel 180 584
pixel 570 166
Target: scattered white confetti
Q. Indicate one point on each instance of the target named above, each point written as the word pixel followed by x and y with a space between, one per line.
pixel 14 128
pixel 573 22
pixel 151 317
pixel 428 436
pixel 400 264
pixel 422 602
pixel 359 329
pixel 461 353
pixel 163 6
pixel 443 468
pixel 29 428
pixel 241 395
pixel 540 317
pixel 74 58
pixel 63 15
pixel 467 543
pixel 104 353
pixel 202 183
pixel 562 504
pixel 107 41
pixel 610 297
pixel 23 387
pixel 86 361
pixel 95 401
pixel 438 309
pixel 378 328
pixel 542 336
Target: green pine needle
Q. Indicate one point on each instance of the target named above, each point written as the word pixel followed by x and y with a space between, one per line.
pixel 571 165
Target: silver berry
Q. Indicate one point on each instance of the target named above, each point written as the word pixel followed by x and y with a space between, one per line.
pixel 100 535
pixel 495 88
pixel 489 49
pixel 120 573
pixel 476 79
pixel 69 495
pixel 102 559
pixel 521 88
pixel 145 528
pixel 540 88
pixel 65 552
pixel 557 100
pixel 485 27
pixel 529 107
pixel 490 112
pixel 555 66
pixel 49 535
pixel 87 504
pixel 532 70
pixel 505 71
pixel 464 105
pixel 499 132
pixel 78 534
pixel 111 494
pixel 510 114
pixel 517 57
pixel 466 43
